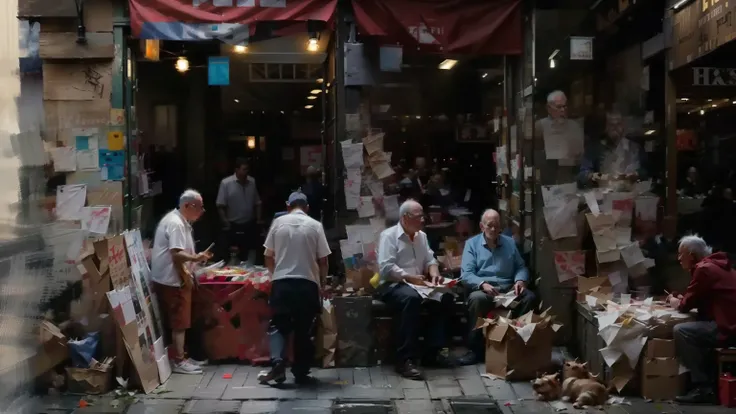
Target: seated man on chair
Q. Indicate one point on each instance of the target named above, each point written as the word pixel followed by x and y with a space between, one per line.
pixel 404 259
pixel 712 291
pixel 492 265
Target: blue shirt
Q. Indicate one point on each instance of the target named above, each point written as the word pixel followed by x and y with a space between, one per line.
pixel 500 267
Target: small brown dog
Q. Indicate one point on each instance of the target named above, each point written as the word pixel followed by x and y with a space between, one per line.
pixel 582 387
pixel 547 387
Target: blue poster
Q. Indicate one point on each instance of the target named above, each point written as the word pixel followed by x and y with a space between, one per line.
pixel 112 165
pixel 218 71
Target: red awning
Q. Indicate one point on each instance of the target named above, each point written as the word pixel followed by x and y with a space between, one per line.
pixel 208 19
pixel 472 27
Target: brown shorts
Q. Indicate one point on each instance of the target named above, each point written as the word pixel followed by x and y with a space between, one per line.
pixel 176 304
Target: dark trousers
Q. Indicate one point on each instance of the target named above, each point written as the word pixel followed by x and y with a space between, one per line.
pixel 245 237
pixel 295 304
pixel 695 343
pixel 480 303
pixel 406 305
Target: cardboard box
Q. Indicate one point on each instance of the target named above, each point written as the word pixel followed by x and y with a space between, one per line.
pixel 662 388
pixel 509 356
pixel 94 380
pixel 53 350
pixel 660 367
pixel 660 348
pixel 599 287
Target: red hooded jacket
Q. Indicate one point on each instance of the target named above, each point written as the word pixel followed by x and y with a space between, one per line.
pixel 712 290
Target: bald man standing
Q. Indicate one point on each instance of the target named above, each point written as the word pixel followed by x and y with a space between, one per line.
pixel 492 265
pixel 404 259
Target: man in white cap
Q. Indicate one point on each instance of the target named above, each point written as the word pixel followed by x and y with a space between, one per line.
pixel 296 255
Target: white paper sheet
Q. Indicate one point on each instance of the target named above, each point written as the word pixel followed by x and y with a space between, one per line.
pixel 391 207
pixel 561 219
pixel 632 348
pixel 505 300
pixel 382 169
pixel 552 194
pixel 632 254
pixel 592 301
pixel 69 201
pixel 366 208
pixel 623 235
pixel 614 278
pixel 610 355
pixel 502 161
pixel 592 203
pixel 75 247
pixel 96 219
pixel 526 331
pixel 373 143
pixel 352 185
pixel 642 187
pixel 352 154
pixel 625 298
pixel 88 160
pixel 376 188
pixel 607 318
pixel 64 159
pixel 646 208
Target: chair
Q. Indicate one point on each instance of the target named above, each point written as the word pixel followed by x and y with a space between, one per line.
pixel 725 356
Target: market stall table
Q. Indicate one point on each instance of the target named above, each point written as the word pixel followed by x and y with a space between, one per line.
pixel 232 304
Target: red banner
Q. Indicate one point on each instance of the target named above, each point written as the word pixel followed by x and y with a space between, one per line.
pixel 472 27
pixel 202 19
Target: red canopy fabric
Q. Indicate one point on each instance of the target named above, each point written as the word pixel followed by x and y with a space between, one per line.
pixel 467 27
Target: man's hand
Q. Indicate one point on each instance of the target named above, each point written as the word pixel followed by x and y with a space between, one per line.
pixel 488 289
pixel 202 257
pixel 519 287
pixel 186 280
pixel 437 280
pixel 415 280
pixel 674 300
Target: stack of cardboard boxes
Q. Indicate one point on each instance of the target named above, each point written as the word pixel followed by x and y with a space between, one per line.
pixel 660 375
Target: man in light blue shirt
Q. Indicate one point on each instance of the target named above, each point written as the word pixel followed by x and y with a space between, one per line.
pixel 492 265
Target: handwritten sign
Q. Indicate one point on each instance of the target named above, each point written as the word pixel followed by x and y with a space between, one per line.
pixel 119 272
pixel 76 81
pixel 96 219
pixel 569 265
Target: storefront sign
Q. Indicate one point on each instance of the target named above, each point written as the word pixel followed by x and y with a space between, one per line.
pixel 227 20
pixel 581 48
pixel 700 28
pixel 218 71
pixel 444 26
pixel 714 76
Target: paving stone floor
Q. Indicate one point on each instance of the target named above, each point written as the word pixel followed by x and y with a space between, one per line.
pixel 216 392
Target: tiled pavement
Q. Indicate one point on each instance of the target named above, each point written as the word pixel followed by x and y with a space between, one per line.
pixel 216 392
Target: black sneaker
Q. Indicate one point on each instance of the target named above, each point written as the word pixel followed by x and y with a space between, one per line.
pixel 439 359
pixel 409 370
pixel 470 358
pixel 277 374
pixel 305 380
pixel 700 395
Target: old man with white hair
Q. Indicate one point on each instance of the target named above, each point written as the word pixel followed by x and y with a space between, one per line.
pixel 491 266
pixel 172 257
pixel 562 137
pixel 405 259
pixel 712 291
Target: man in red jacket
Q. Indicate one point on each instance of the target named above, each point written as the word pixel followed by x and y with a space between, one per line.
pixel 712 291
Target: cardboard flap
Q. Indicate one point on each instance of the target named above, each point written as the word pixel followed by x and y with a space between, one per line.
pixel 587 284
pixel 498 332
pixel 101 253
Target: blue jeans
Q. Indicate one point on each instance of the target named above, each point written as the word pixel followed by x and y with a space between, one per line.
pixel 406 304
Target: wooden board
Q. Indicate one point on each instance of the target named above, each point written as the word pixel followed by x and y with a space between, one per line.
pixel 98 15
pixel 74 114
pixel 65 46
pixel 77 81
pixel 47 8
pixel 61 15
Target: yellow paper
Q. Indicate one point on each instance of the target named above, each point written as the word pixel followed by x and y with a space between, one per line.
pixel 115 141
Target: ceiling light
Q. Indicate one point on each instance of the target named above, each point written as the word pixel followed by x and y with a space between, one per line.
pixel 310 97
pixel 684 99
pixel 240 49
pixel 551 63
pixel 236 100
pixel 702 112
pixel 308 106
pixel 315 91
pixel 650 132
pixel 710 100
pixel 448 64
pixel 680 4
pixel 320 80
pixel 484 75
pixel 734 102
pixel 182 64
pixel 251 142
pixel 714 105
pixel 313 44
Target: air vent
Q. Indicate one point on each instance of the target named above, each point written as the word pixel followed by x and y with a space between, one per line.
pixel 284 72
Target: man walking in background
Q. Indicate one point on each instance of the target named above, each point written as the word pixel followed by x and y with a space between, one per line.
pixel 296 255
pixel 172 255
pixel 239 207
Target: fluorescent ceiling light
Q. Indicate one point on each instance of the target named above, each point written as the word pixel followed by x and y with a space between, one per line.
pixel 650 132
pixel 236 100
pixel 308 106
pixel 448 64
pixel 315 91
pixel 554 54
pixel 310 97
pixel 679 4
pixel 320 80
pixel 240 49
pixel 684 99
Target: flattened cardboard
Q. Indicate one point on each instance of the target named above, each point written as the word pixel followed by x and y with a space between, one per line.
pixel 662 388
pixel 660 348
pixel 88 381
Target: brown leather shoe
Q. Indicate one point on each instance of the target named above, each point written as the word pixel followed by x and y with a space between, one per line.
pixel 409 370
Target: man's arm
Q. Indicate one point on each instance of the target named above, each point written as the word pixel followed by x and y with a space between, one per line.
pixel 270 252
pixel 696 291
pixel 387 252
pixel 468 268
pixel 323 250
pixel 221 203
pixel 257 199
pixel 431 267
pixel 587 164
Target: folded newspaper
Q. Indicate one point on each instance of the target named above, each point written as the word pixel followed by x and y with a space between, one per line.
pixel 435 292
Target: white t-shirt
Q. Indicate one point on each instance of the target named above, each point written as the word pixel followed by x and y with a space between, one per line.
pixel 173 232
pixel 296 241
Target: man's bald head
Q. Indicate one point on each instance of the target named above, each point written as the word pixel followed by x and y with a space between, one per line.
pixel 490 225
pixel 411 216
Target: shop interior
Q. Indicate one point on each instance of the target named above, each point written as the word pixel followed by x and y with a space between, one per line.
pixel 706 178
pixel 271 113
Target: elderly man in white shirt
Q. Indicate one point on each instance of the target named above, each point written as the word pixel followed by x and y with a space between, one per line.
pixel 296 255
pixel 405 259
pixel 172 255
